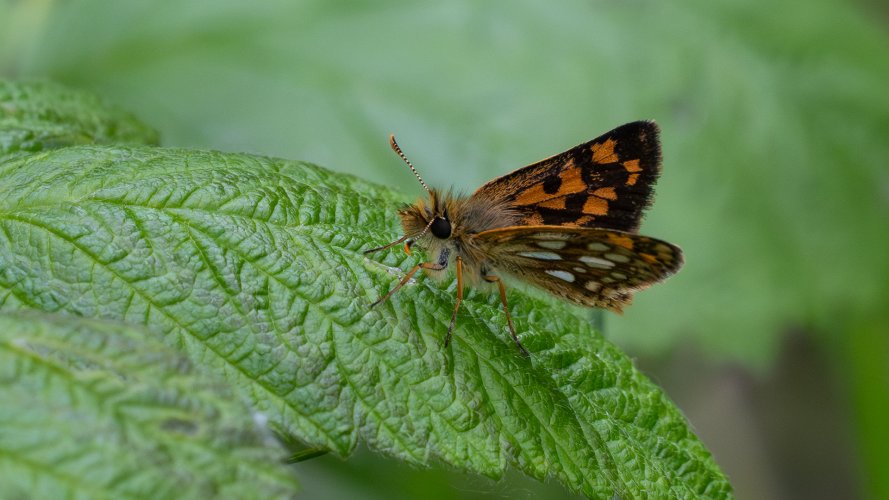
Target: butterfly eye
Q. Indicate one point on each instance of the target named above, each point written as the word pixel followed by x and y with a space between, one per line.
pixel 441 228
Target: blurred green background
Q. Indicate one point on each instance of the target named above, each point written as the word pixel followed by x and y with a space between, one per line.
pixel 775 117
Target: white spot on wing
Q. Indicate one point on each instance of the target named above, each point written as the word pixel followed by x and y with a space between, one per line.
pixel 552 245
pixel 598 247
pixel 593 286
pixel 541 255
pixel 616 257
pixel 596 262
pixel 562 275
pixel 620 276
pixel 578 269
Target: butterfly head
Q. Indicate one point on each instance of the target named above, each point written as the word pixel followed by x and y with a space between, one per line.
pixel 422 217
pixel 428 218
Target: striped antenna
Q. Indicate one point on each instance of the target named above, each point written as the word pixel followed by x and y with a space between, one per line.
pixel 405 237
pixel 398 150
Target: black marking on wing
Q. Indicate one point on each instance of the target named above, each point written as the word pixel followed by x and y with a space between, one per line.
pixel 607 182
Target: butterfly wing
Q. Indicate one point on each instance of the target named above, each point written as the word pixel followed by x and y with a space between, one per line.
pixel 588 266
pixel 607 182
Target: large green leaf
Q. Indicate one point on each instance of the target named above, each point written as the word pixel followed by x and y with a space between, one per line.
pixel 92 409
pixel 253 267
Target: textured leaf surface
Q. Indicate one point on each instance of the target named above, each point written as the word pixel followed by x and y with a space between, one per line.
pixel 92 409
pixel 44 115
pixel 253 266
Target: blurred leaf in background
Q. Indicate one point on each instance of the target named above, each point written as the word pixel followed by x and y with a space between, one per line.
pixel 775 120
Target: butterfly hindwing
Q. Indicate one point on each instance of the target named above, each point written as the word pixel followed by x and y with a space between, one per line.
pixel 607 182
pixel 592 267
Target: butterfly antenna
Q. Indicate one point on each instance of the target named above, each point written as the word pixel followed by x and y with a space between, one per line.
pixel 405 237
pixel 421 233
pixel 398 150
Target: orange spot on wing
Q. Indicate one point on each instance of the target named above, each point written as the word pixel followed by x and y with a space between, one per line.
pixel 651 259
pixel 631 181
pixel 532 195
pixel 604 152
pixel 632 166
pixel 595 206
pixel 584 220
pixel 556 203
pixel 572 182
pixel 621 241
pixel 606 192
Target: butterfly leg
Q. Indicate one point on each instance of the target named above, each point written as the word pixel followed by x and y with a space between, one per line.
pixel 496 279
pixel 432 266
pixel 459 300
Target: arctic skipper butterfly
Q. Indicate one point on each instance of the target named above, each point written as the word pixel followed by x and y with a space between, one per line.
pixel 566 224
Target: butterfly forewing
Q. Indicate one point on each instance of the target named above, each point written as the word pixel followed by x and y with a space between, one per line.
pixel 592 267
pixel 606 182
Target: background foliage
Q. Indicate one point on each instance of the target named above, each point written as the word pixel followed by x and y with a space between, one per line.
pixel 776 178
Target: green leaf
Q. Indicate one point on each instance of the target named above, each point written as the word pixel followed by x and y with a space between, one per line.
pixel 92 409
pixel 253 266
pixel 43 115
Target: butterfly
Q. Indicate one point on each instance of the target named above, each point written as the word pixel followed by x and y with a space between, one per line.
pixel 566 224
